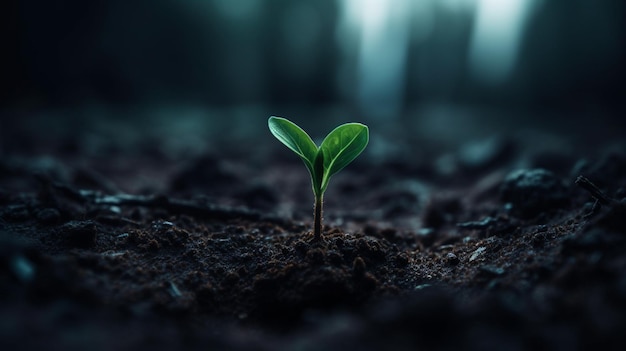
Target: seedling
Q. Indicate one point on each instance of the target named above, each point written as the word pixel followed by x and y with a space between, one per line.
pixel 339 148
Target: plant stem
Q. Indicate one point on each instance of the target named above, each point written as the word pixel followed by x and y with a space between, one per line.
pixel 317 218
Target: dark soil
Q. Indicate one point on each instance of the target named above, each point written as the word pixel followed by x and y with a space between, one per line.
pixel 112 245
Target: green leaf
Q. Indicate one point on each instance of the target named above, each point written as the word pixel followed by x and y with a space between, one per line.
pixel 342 146
pixel 299 142
pixel 339 148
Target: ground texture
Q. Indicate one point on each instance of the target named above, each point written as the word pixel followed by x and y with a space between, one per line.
pixel 107 245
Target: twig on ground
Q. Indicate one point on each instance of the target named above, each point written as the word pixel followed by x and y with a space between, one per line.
pixel 597 194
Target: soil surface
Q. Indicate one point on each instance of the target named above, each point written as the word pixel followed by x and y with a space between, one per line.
pixel 118 238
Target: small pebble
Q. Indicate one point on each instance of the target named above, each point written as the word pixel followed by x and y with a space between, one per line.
pixel 479 251
pixel 452 259
pixel 23 269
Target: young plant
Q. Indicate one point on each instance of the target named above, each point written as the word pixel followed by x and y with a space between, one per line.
pixel 339 148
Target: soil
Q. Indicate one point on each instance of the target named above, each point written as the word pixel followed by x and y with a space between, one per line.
pixel 122 241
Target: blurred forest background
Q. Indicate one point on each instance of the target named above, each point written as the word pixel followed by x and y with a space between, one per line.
pixel 440 68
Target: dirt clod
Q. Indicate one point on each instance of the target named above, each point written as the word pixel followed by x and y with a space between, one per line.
pixel 533 191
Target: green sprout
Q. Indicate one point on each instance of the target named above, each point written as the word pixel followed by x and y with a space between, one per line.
pixel 339 148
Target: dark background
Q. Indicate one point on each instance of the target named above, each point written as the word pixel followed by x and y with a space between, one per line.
pixel 444 70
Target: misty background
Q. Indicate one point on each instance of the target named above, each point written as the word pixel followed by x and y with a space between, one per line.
pixel 441 70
